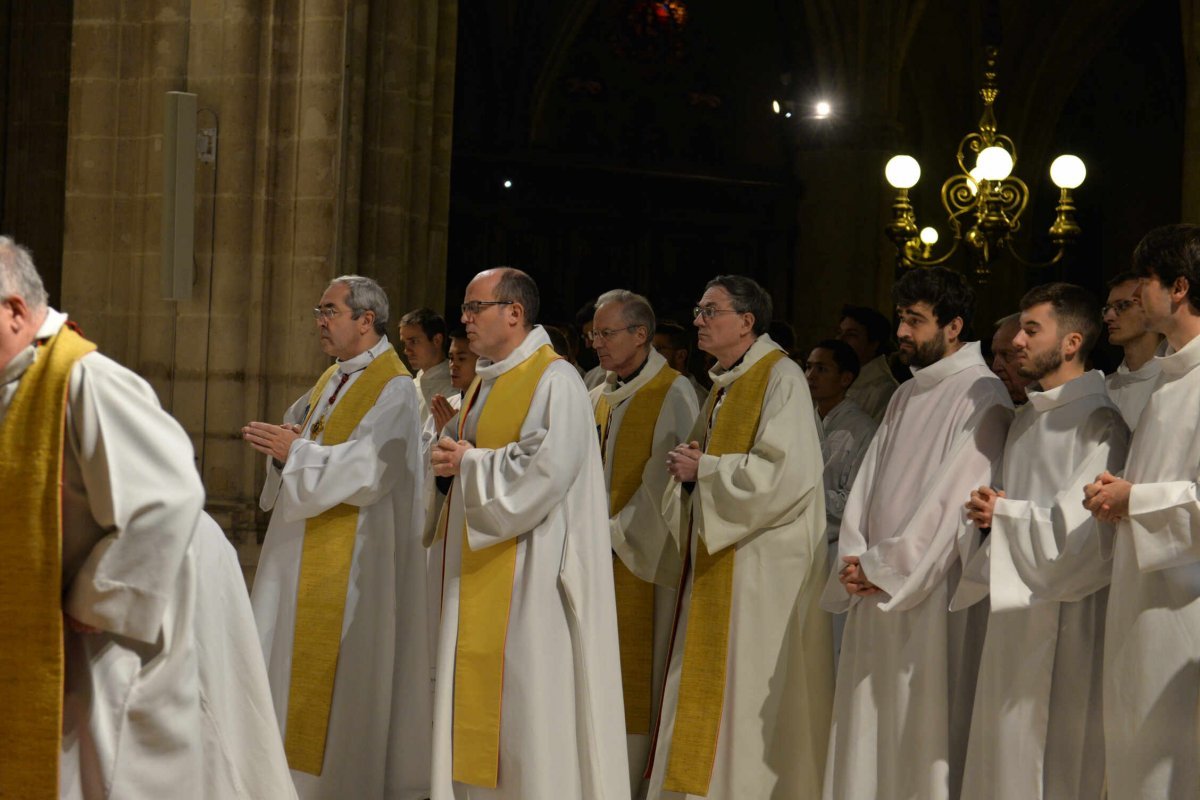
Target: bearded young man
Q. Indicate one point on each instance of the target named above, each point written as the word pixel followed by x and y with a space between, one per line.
pixel 906 671
pixel 1037 726
pixel 1128 328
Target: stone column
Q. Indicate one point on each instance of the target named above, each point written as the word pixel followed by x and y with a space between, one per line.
pixel 283 87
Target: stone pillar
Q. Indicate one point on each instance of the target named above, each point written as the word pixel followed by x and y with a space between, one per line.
pixel 277 214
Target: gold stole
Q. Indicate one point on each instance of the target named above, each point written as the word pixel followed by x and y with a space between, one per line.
pixel 324 575
pixel 32 437
pixel 635 597
pixel 485 589
pixel 706 645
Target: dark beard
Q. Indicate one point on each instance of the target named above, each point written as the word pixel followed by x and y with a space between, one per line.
pixel 929 353
pixel 1042 365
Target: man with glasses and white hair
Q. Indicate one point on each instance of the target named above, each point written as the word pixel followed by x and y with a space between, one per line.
pixel 528 699
pixel 1130 386
pixel 340 593
pixel 642 410
pixel 749 686
pixel 154 686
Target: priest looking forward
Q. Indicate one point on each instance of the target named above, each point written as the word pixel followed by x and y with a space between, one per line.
pixel 749 683
pixel 129 666
pixel 643 409
pixel 528 703
pixel 1151 641
pixel 340 595
pixel 906 672
pixel 1037 726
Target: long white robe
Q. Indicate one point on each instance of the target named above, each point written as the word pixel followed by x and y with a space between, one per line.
pixel 642 521
pixel 769 504
pixel 170 699
pixel 1130 389
pixel 1037 725
pixel 377 743
pixel 906 674
pixel 562 729
pixel 873 387
pixel 1152 635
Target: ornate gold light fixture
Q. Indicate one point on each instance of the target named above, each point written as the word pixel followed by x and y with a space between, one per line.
pixel 984 202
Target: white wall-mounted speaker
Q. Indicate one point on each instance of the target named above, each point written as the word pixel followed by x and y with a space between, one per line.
pixel 179 195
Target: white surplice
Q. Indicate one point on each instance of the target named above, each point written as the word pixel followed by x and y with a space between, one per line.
pixel 641 520
pixel 906 674
pixel 1152 637
pixel 770 506
pixel 170 698
pixel 377 744
pixel 562 729
pixel 435 380
pixel 1037 725
pixel 1130 389
pixel 873 387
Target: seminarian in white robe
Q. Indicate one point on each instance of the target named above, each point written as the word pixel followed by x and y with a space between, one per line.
pixel 768 506
pixel 1152 638
pixel 377 739
pixel 906 674
pixel 640 522
pixel 168 697
pixel 1037 725
pixel 873 387
pixel 1130 389
pixel 561 726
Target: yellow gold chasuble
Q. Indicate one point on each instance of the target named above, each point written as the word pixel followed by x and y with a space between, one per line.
pixel 706 646
pixel 32 436
pixel 485 589
pixel 324 574
pixel 635 597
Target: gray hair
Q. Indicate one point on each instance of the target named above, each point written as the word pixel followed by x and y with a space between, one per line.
pixel 518 287
pixel 19 277
pixel 747 297
pixel 635 310
pixel 1011 319
pixel 365 295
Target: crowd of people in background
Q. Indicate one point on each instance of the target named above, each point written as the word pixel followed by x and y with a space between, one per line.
pixel 627 557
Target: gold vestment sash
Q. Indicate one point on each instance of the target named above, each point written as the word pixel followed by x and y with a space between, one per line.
pixel 485 589
pixel 706 645
pixel 324 575
pixel 32 437
pixel 635 597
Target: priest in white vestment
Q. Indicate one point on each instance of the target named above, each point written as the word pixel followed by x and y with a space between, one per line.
pixel 1037 726
pixel 660 407
pixel 868 332
pixel 528 701
pixel 340 592
pixel 753 528
pixel 906 673
pixel 162 691
pixel 1152 636
pixel 1130 386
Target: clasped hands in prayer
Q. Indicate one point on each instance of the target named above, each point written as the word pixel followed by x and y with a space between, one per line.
pixel 447 456
pixel 272 440
pixel 683 462
pixel 1107 497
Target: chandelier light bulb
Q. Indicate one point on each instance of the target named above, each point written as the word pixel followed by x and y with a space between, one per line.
pixel 973 184
pixel 994 163
pixel 929 235
pixel 823 109
pixel 1068 172
pixel 775 106
pixel 902 172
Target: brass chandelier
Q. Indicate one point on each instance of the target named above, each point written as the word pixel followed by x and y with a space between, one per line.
pixel 984 201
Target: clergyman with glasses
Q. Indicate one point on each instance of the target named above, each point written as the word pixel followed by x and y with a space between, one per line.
pixel 749 689
pixel 528 697
pixel 642 410
pixel 1130 386
pixel 340 594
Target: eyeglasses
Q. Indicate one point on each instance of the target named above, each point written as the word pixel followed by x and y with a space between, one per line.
pixel 1119 307
pixel 326 312
pixel 708 312
pixel 607 333
pixel 473 307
